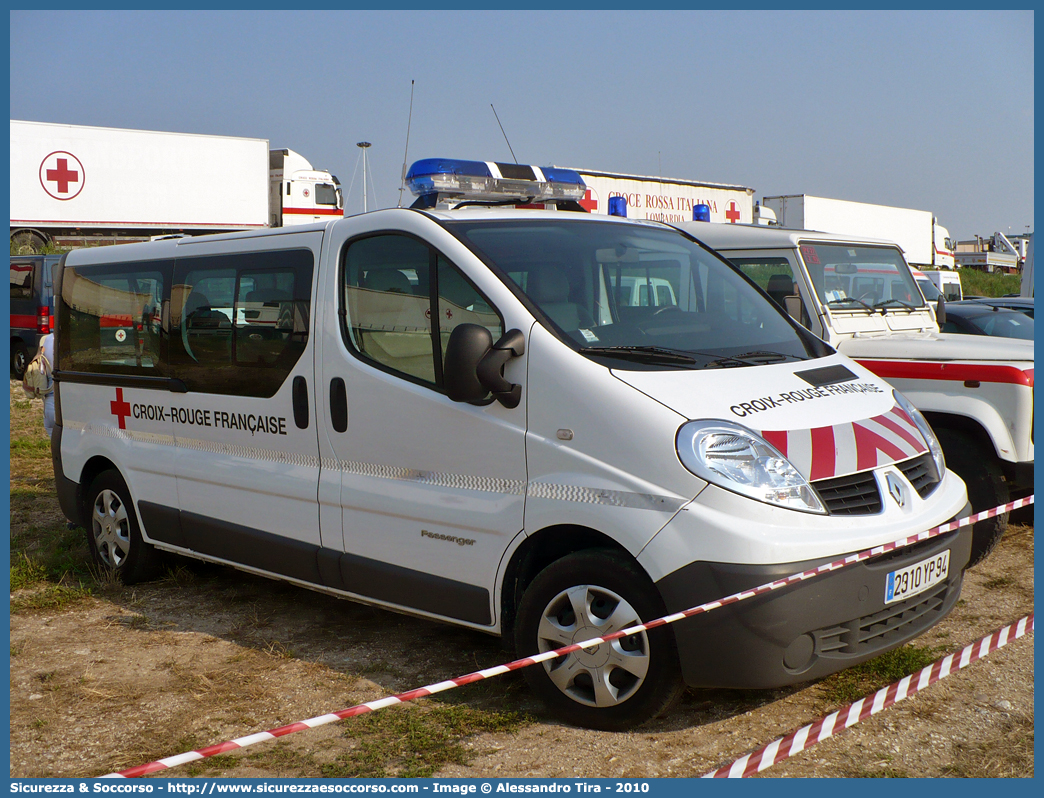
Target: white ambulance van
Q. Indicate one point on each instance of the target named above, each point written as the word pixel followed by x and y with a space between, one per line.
pixel 447 411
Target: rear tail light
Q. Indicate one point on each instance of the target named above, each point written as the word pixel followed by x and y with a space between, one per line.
pixel 43 319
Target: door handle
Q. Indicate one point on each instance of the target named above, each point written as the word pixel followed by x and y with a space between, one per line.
pixel 300 399
pixel 338 405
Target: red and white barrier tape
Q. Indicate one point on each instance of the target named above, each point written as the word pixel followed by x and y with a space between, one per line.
pixel 836 722
pixel 525 662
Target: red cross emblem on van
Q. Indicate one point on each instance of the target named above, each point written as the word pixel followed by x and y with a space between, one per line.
pixel 120 408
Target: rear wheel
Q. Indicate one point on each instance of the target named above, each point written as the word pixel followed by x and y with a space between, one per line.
pixel 113 536
pixel 615 685
pixel 19 358
pixel 27 242
pixel 986 488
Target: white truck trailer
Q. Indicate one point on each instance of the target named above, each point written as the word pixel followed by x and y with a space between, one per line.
pixel 925 243
pixel 75 184
pixel 859 296
pixel 666 199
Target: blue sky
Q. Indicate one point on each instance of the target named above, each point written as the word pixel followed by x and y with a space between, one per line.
pixel 930 110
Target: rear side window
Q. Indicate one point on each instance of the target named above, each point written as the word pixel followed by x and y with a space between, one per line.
pixel 111 318
pixel 239 323
pixel 21 280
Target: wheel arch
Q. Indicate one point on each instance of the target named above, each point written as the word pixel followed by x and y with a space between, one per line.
pixel 537 552
pixel 90 471
pixel 969 426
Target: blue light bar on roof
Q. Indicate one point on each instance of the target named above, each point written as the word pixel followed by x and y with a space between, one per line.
pixel 479 180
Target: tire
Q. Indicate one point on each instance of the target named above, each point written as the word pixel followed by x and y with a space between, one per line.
pixel 113 535
pixel 27 242
pixel 19 358
pixel 987 488
pixel 585 595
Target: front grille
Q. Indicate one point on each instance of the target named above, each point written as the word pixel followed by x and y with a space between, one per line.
pixel 880 629
pixel 921 473
pixel 855 494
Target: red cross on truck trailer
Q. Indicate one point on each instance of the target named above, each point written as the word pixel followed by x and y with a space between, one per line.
pixel 62 175
pixel 666 199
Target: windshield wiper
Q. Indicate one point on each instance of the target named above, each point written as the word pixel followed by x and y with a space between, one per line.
pixel 885 302
pixel 647 353
pixel 766 356
pixel 848 301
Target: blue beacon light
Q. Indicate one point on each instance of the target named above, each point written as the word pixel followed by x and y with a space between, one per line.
pixel 618 206
pixel 701 213
pixel 456 180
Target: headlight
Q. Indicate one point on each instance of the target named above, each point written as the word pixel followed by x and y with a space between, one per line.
pixel 739 460
pixel 925 430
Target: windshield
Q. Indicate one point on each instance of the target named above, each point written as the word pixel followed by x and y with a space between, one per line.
pixel 641 296
pixel 931 293
pixel 848 277
pixel 1001 323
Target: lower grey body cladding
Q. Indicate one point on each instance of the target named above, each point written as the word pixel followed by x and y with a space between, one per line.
pixel 316 565
pixel 809 629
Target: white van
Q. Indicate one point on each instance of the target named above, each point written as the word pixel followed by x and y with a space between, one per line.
pixel 948 283
pixel 454 416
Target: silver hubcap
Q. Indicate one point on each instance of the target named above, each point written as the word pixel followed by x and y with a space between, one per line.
pixel 611 672
pixel 111 529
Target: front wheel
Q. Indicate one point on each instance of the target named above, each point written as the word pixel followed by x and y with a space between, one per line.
pixel 615 685
pixel 113 536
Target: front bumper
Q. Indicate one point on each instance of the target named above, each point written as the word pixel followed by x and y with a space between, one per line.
pixel 807 630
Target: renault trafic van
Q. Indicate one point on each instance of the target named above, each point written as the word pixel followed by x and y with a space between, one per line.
pixel 453 414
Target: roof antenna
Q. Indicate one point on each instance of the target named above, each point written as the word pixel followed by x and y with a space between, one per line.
pixel 405 154
pixel 502 131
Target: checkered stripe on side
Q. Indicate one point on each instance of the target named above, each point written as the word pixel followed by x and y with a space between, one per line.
pixel 613 498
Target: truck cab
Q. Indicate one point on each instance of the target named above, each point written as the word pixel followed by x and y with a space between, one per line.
pixel 299 194
pixel 858 295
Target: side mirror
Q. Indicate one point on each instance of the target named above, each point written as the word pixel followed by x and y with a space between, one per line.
pixel 474 365
pixel 793 305
pixel 940 311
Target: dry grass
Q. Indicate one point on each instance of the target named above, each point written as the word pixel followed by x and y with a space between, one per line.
pixel 1008 754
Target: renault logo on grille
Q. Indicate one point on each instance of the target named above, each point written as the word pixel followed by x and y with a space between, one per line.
pixel 896 489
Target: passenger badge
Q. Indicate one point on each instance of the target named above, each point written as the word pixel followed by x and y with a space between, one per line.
pixel 896 489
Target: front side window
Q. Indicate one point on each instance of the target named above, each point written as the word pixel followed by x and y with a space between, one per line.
pixel 848 277
pixel 402 299
pixel 644 296
pixel 775 276
pixel 112 317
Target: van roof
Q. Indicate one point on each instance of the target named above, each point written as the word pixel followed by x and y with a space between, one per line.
pixel 717 235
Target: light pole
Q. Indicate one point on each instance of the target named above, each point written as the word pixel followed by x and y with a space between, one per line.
pixel 364 145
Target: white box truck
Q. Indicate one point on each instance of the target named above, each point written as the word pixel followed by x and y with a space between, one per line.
pixel 925 243
pixel 75 184
pixel 666 199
